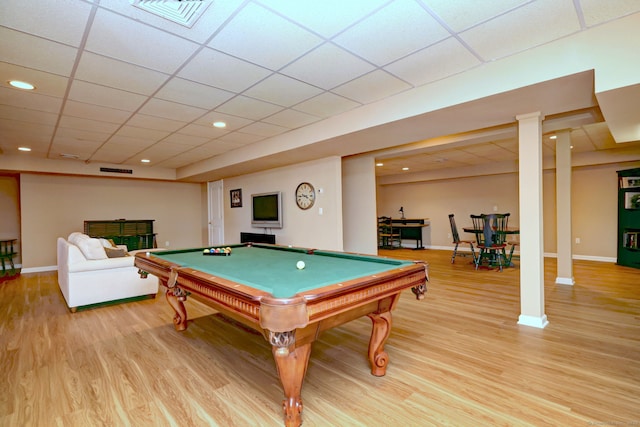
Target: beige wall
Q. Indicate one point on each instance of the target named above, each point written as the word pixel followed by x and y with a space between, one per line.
pixel 594 210
pixel 56 205
pixel 306 228
pixel 10 211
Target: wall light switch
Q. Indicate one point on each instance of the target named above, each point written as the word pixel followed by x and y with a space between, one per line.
pixel 319 211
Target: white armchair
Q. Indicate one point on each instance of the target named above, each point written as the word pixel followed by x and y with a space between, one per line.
pixel 86 275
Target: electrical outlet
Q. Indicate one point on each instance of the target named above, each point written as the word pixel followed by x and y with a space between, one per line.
pixel 166 244
pixel 578 241
pixel 448 235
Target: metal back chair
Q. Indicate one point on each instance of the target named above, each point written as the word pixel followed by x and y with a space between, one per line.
pixel 457 241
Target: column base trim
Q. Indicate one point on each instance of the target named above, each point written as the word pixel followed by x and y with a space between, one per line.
pixel 536 322
pixel 565 281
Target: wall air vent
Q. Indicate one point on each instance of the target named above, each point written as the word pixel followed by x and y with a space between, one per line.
pixel 183 12
pixel 113 170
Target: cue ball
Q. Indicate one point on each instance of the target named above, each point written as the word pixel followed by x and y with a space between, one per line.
pixel 300 265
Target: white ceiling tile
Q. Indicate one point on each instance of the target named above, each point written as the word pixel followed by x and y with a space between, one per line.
pixel 180 139
pixel 264 38
pixel 16 133
pixel 372 87
pixel 462 14
pixel 313 15
pixel 27 115
pixel 117 74
pixel 95 112
pixel 527 27
pixel 191 93
pixel 34 52
pixel 82 135
pixel 264 129
pixel 239 138
pixel 248 107
pixel 282 90
pixel 222 71
pixel 233 122
pixel 171 110
pixel 151 122
pixel 128 144
pixel 203 131
pixel 312 68
pixel 110 35
pixel 291 119
pixel 327 104
pixel 142 133
pixel 29 100
pixel 396 30
pixel 61 20
pixel 45 83
pixel 87 124
pixel 436 62
pixel 598 11
pixel 104 96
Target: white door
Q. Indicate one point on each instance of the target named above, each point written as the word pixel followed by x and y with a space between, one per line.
pixel 216 213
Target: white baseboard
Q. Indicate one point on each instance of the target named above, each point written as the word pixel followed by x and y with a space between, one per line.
pixel 565 281
pixel 39 269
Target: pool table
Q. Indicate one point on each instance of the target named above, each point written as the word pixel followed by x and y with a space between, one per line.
pixel 260 286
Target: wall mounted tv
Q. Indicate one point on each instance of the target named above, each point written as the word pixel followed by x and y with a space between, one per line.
pixel 266 210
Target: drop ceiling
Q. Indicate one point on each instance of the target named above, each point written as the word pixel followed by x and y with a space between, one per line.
pixel 116 84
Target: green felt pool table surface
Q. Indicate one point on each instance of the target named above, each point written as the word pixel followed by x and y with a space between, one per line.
pixel 273 268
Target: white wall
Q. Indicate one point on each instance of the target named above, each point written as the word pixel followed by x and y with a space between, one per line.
pixel 305 228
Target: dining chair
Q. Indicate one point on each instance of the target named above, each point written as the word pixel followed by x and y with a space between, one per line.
pixel 491 242
pixel 388 237
pixel 457 241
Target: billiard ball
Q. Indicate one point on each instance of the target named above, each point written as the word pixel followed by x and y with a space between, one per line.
pixel 300 265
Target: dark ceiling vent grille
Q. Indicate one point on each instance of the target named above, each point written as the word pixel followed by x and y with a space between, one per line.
pixel 114 170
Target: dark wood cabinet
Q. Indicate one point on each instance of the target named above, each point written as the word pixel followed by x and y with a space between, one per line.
pixel 136 234
pixel 629 217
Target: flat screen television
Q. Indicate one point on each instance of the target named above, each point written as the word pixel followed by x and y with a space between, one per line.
pixel 266 210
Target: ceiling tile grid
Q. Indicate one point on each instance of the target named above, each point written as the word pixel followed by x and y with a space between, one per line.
pixel 117 80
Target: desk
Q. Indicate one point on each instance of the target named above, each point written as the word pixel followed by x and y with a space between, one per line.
pixel 259 286
pixel 410 229
pixel 7 253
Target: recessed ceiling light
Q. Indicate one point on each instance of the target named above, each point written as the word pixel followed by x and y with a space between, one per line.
pixel 145 161
pixel 24 148
pixel 21 85
pixel 219 124
pixel 379 164
pixel 405 169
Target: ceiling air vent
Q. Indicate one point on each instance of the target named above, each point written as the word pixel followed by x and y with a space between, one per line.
pixel 114 170
pixel 183 12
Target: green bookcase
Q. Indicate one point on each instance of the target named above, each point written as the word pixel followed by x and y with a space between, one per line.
pixel 629 217
pixel 136 234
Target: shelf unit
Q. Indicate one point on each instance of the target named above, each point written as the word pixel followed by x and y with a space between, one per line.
pixel 629 217
pixel 136 234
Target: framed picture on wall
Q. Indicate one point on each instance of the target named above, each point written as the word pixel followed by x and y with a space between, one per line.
pixel 630 182
pixel 236 198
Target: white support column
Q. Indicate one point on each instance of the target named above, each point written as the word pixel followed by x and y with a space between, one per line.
pixel 563 208
pixel 531 221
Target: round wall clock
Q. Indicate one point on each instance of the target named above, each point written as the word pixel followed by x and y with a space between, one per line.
pixel 305 195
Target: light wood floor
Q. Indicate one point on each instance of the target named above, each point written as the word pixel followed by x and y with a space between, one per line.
pixel 458 358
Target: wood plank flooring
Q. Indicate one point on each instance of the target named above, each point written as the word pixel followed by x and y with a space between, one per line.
pixel 457 358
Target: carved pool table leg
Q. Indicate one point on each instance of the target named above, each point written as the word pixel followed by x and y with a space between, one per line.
pixel 175 301
pixel 378 358
pixel 291 369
